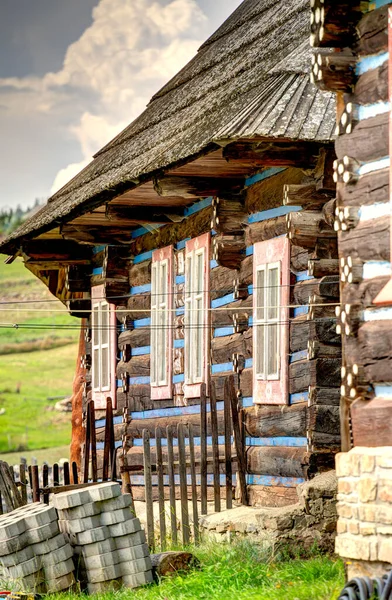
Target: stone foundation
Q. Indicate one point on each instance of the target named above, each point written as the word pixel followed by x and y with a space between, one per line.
pixel 365 510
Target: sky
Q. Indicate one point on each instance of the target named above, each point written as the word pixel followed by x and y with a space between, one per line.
pixel 73 73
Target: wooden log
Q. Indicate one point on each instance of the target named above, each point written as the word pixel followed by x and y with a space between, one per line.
pixel 305 227
pixel 371 188
pixel 322 330
pixel 286 462
pixel 299 376
pixel 373 32
pixel 138 366
pixel 135 339
pixel 274 153
pixel 196 187
pixel 333 25
pixel 225 318
pixel 223 348
pixel 271 496
pixel 372 422
pixel 140 273
pixel 318 350
pixel 228 215
pixel 246 271
pixel 265 230
pixel 324 396
pixel 169 563
pixel 267 194
pixel 334 72
pixel 355 243
pixel 328 211
pixel 138 307
pixel 325 289
pixel 305 195
pixel 325 419
pixel 223 281
pixel 299 258
pixel 367 142
pixel 375 342
pixel 320 267
pixel 172 487
pixel 364 293
pixel 325 372
pixel 372 86
pixel 322 442
pixel 276 421
pixel 228 250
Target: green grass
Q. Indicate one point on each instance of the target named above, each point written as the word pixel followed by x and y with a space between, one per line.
pixel 49 455
pixel 243 571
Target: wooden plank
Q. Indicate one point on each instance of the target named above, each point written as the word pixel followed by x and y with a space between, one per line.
pixel 183 486
pixel 107 442
pixel 23 482
pixel 66 476
pixel 94 472
pixel 228 432
pixel 148 490
pixel 215 447
pixel 5 489
pixel 203 448
pixel 87 442
pixel 75 476
pixel 56 475
pixel 372 422
pixel 161 495
pixel 238 443
pixel 196 533
pixel 35 483
pixel 172 488
pixel 45 482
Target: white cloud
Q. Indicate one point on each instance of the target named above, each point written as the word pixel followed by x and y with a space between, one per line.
pixel 131 49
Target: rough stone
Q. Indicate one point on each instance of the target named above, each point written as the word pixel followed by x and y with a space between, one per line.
pixel 385 550
pixel 367 489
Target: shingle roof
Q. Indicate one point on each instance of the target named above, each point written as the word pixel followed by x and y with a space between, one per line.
pixel 250 79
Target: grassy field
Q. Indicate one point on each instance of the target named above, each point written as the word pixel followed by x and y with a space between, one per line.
pixel 244 572
pixel 38 352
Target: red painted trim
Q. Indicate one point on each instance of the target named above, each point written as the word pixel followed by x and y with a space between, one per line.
pixel 202 241
pixel 270 251
pixel 98 295
pixel 164 392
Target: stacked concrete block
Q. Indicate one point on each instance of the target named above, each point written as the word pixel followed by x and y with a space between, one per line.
pixel 34 555
pixel 109 545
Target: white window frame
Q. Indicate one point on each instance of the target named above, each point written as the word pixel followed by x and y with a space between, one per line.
pixel 161 342
pixel 98 330
pixel 263 324
pixel 101 392
pixel 196 321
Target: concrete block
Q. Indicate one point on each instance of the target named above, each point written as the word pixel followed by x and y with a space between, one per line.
pixel 125 528
pixel 50 545
pixel 11 527
pixel 137 580
pixel 136 566
pixel 103 547
pixel 132 553
pixel 40 534
pixel 100 560
pixel 59 569
pixel 104 586
pixel 10 560
pixel 30 583
pixel 60 584
pixel 70 499
pixel 104 491
pixel 123 501
pixel 57 556
pixel 79 525
pixel 116 516
pixel 13 544
pixel 80 512
pixel 42 515
pixel 127 541
pixel 99 534
pixel 25 568
pixel 103 574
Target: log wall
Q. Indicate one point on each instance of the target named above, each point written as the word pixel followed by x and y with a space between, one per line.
pixel 285 444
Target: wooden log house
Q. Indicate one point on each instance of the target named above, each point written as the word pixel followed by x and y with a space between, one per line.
pixel 357 71
pixel 201 241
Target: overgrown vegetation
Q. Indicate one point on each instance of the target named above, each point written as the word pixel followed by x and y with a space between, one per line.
pixel 244 571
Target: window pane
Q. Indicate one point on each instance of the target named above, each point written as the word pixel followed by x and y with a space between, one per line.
pixel 199 337
pixel 96 369
pixel 260 336
pixel 105 324
pixel 188 275
pixel 95 325
pixel 260 295
pixel 105 367
pixel 273 293
pixel 154 287
pixel 273 349
pixel 163 281
pixel 161 347
pixel 199 273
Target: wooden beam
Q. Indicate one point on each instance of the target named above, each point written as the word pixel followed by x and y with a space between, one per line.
pixel 197 187
pixel 145 214
pixel 56 263
pixel 275 154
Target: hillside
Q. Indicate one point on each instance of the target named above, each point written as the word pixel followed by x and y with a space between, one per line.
pixel 38 352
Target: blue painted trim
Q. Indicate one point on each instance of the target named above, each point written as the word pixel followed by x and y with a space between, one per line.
pixel 142 257
pixel 264 175
pixel 213 264
pixel 179 343
pixel 248 363
pixel 367 63
pixel 223 331
pixel 98 271
pixel 143 230
pixel 290 442
pixel 221 368
pixel 270 480
pixel 228 299
pixel 141 351
pixel 272 213
pixel 296 356
pixel 299 397
pixel 100 445
pixel 139 381
pixel 141 323
pixel 249 251
pixel 181 245
pixel 102 422
pixel 180 311
pixel 373 110
pixel 119 383
pixel 139 442
pixel 179 378
pixel 138 480
pixel 98 249
pixel 374 165
pixel 247 401
pixel 250 321
pixel 175 411
pixel 301 310
pixel 303 276
pixel 383 390
pixel 250 290
pixel 141 289
pixel 180 279
pixel 191 210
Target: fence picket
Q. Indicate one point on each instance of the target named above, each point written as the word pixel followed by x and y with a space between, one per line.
pixel 203 449
pixel 196 535
pixel 148 489
pixel 183 485
pixel 172 487
pixel 161 488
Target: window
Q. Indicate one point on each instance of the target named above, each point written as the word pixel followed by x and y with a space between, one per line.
pixel 103 324
pixel 161 323
pixel 271 296
pixel 197 258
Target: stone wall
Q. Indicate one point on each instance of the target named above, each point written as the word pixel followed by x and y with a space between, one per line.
pixel 365 510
